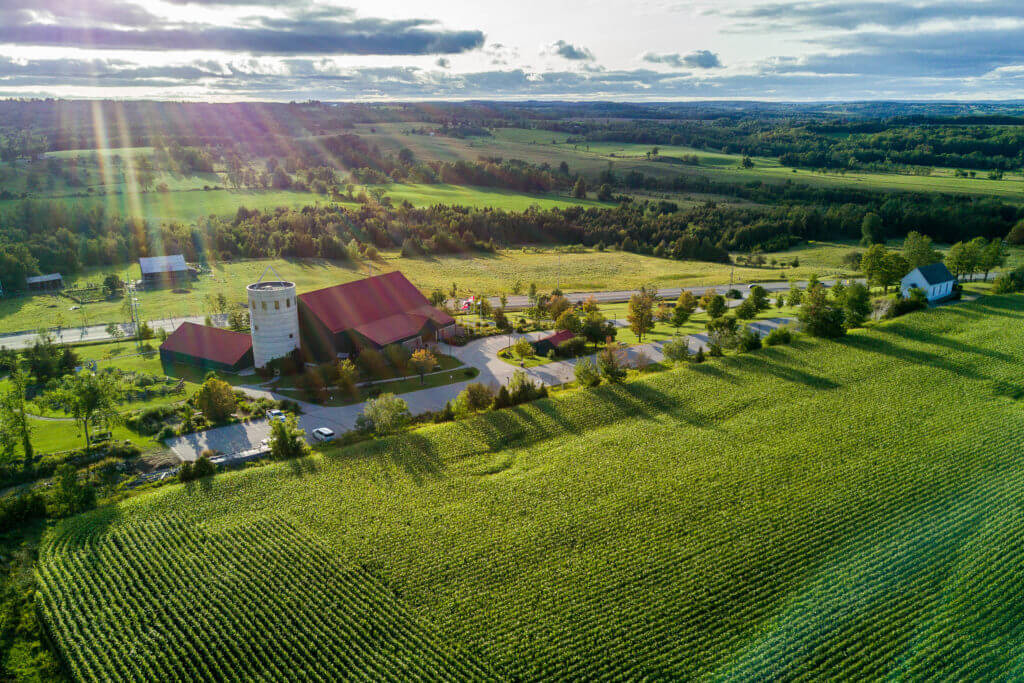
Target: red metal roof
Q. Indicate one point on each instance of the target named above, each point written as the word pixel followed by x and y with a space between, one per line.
pixel 385 308
pixel 559 337
pixel 211 343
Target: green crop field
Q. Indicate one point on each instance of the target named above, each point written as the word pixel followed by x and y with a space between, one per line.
pixel 827 510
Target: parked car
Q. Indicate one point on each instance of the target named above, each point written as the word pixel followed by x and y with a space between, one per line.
pixel 275 414
pixel 323 434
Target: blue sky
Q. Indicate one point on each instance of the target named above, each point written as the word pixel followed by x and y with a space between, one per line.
pixel 458 49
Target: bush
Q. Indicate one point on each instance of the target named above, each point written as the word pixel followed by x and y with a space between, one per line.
pixel 385 414
pixel 373 364
pixel 474 398
pixel 571 348
pixel 587 373
pixel 749 340
pixel 677 349
pixel 17 510
pixel 123 450
pixel 780 335
pixel 734 294
pixel 1008 283
pixel 915 301
pixel 202 467
pixel 610 364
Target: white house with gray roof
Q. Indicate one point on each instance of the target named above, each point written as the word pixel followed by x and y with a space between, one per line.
pixel 935 279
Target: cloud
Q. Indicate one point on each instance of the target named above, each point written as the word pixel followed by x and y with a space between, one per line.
pixel 322 78
pixel 570 51
pixel 322 30
pixel 853 14
pixel 700 59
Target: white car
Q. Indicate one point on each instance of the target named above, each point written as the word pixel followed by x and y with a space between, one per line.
pixel 323 434
pixel 275 414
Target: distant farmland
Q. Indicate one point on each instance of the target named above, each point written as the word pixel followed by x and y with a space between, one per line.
pixel 843 509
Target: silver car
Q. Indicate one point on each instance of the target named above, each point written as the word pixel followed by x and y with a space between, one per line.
pixel 323 434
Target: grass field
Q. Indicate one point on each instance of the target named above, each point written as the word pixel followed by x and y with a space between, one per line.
pixel 844 509
pixel 539 146
pixel 479 273
pixel 189 201
pixel 474 273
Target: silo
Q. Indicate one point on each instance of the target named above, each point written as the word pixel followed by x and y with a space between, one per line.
pixel 273 320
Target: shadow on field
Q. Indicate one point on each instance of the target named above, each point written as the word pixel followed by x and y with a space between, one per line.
pixel 917 334
pixel 876 344
pixel 711 370
pixel 415 454
pixel 423 454
pixel 773 362
pixel 1008 308
pixel 300 467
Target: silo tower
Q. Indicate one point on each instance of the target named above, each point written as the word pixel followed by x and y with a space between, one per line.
pixel 273 318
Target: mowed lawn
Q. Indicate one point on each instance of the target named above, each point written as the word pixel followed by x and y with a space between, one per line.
pixel 846 510
pixel 548 267
pixel 477 273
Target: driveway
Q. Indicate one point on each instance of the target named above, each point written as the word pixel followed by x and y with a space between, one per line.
pixel 481 354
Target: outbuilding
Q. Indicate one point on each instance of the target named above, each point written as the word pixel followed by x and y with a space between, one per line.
pixel 370 313
pixel 207 348
pixel 542 346
pixel 45 283
pixel 934 279
pixel 160 270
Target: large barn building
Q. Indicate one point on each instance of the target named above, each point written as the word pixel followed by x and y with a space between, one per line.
pixel 371 313
pixel 208 348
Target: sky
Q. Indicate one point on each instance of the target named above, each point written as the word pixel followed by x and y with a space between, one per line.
pixel 639 50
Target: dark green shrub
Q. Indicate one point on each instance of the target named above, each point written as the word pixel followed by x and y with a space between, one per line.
pixel 780 335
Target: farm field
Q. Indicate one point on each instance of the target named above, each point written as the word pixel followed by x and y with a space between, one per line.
pixel 693 524
pixel 540 146
pixel 189 203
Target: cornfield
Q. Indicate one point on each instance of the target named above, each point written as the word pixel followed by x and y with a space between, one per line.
pixel 845 509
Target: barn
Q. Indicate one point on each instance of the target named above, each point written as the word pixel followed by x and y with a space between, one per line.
pixel 370 313
pixel 935 279
pixel 161 270
pixel 45 283
pixel 207 348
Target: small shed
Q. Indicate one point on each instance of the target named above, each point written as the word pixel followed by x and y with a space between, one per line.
pixel 542 346
pixel 45 283
pixel 935 279
pixel 207 348
pixel 164 269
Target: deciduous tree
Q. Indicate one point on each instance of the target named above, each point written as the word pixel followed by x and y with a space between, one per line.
pixel 422 362
pixel 640 314
pixel 216 399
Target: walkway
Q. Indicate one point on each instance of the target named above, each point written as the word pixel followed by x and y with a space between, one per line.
pixel 480 353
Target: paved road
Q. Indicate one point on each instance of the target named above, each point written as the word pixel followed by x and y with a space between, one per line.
pixel 481 354
pixel 90 333
pixel 517 302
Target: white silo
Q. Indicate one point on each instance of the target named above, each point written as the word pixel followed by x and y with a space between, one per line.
pixel 273 319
